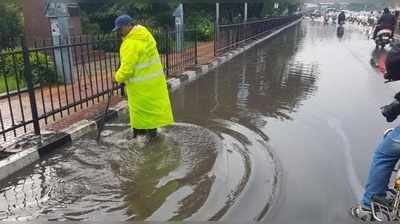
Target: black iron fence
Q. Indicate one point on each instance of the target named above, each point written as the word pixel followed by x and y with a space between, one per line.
pixel 44 81
pixel 233 35
pixel 52 79
pixel 178 50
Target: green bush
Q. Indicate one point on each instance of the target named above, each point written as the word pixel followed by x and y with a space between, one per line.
pixel 11 84
pixel 203 25
pixel 107 43
pixel 42 67
pixel 10 22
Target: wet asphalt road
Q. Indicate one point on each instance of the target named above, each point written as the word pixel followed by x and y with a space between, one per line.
pixel 284 134
pixel 316 98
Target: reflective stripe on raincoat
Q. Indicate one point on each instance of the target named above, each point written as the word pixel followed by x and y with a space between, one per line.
pixel 142 72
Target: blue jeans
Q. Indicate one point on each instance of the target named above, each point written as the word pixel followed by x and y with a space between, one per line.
pixel 384 161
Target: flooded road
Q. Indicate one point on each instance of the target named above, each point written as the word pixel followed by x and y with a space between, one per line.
pixel 281 134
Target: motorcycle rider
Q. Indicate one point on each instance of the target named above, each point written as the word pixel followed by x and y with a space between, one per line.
pixel 371 19
pixel 387 154
pixel 387 21
pixel 341 18
pixel 326 18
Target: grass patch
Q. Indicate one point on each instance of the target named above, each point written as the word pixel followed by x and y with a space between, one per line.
pixel 12 84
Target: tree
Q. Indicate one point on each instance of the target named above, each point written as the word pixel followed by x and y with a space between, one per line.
pixel 10 21
pixel 153 14
pixel 99 15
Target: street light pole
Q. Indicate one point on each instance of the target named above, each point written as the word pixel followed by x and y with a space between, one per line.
pixel 245 12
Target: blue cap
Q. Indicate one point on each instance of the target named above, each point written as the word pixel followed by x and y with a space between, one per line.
pixel 121 21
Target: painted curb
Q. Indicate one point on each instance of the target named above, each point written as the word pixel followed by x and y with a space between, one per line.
pixel 192 75
pixel 18 161
pixel 202 69
pixel 173 84
pixel 213 65
pixel 120 107
pixel 26 157
pixel 58 139
pixel 79 129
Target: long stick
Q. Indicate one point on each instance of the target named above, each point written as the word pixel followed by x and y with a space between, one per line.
pixel 103 119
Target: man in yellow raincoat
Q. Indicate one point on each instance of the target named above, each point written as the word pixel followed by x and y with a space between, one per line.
pixel 142 73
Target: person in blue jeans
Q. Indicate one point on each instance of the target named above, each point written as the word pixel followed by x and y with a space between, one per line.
pixel 383 163
pixel 387 154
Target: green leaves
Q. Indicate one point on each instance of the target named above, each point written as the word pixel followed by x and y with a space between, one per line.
pixel 12 66
pixel 10 21
pixel 158 14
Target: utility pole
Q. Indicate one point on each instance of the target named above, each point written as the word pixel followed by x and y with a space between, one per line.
pixel 216 28
pixel 179 27
pixel 58 15
pixel 217 13
pixel 245 12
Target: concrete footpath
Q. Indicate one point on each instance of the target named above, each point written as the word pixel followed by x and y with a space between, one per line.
pixel 30 148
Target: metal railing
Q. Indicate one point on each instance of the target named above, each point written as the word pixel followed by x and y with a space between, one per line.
pixel 233 35
pixel 44 81
pixel 50 80
pixel 178 51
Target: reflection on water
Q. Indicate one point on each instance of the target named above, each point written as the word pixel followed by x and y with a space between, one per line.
pixel 263 83
pixel 170 176
pixel 222 169
pixel 27 198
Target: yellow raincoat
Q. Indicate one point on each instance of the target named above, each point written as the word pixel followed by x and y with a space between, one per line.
pixel 142 73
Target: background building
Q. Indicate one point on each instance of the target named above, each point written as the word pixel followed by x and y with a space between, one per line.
pixel 37 25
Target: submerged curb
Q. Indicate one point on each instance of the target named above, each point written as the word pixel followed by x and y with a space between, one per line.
pixel 28 156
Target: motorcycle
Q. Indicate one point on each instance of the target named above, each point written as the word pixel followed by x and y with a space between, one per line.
pixel 340 29
pixel 378 59
pixel 326 19
pixel 383 38
pixel 334 18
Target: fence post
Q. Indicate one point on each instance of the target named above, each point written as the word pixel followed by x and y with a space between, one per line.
pixel 31 91
pixel 167 52
pixel 195 47
pixel 215 38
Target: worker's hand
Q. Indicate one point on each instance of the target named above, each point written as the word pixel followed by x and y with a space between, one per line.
pixel 114 79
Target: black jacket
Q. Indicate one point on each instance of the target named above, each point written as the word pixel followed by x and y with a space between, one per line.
pixel 387 20
pixel 394 51
pixel 393 63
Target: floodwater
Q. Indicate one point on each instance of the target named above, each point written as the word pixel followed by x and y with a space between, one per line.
pixel 281 134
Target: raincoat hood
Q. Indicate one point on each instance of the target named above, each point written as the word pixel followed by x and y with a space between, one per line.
pixel 140 33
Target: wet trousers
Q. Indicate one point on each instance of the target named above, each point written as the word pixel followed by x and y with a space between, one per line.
pixel 386 155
